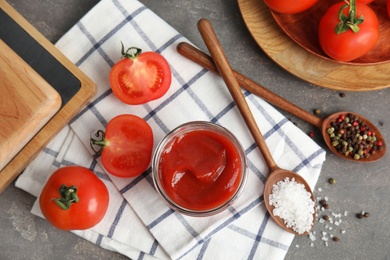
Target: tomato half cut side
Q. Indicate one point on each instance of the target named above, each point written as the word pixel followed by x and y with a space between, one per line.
pixel 125 146
pixel 140 77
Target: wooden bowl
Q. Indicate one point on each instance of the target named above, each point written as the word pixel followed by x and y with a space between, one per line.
pixel 303 29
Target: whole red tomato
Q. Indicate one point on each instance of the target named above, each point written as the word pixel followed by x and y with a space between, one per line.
pixel 289 6
pixel 74 198
pixel 348 45
pixel 126 145
pixel 140 77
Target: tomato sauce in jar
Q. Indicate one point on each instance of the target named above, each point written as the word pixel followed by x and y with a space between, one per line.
pixel 199 168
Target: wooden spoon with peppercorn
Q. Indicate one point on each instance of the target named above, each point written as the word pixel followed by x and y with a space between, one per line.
pixel 276 174
pixel 369 147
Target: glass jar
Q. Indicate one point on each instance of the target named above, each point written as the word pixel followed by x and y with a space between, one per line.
pixel 199 168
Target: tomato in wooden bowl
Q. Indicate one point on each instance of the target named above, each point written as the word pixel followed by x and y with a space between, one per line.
pixel 303 29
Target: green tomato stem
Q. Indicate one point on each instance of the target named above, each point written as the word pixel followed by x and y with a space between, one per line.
pixel 351 21
pixel 101 142
pixel 134 52
pixel 68 196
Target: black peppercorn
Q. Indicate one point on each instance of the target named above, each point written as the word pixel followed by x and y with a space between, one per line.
pixel 335 239
pixel 322 202
pixel 359 215
pixel 366 215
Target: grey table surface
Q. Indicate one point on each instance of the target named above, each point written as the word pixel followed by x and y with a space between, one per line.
pixel 359 187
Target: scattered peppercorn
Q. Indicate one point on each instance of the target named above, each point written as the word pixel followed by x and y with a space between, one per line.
pixel 342 95
pixel 335 239
pixel 351 136
pixel 322 202
pixel 359 215
pixel 326 217
pixel 326 206
pixel 317 111
pixel 381 123
pixel 366 215
pixel 332 181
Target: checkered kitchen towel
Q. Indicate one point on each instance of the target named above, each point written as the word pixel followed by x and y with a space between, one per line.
pixel 138 223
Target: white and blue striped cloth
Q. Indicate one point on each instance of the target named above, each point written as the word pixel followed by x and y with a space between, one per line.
pixel 138 223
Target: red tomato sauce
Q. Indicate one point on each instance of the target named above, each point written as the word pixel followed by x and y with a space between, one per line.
pixel 200 170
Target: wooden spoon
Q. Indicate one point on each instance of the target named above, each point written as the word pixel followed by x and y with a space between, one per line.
pixel 206 61
pixel 276 174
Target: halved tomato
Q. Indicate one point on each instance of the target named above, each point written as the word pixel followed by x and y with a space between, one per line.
pixel 140 76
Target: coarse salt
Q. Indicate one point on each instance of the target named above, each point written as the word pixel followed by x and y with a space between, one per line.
pixel 293 203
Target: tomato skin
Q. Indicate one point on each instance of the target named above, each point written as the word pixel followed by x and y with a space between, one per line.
pixel 141 78
pixel 388 7
pixel 129 144
pixel 84 214
pixel 348 46
pixel 289 6
pixel 365 1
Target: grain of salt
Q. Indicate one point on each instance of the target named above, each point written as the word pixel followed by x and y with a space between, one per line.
pixel 293 203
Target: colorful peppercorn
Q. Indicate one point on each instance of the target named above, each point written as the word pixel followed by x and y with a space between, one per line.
pixel 351 136
pixel 317 111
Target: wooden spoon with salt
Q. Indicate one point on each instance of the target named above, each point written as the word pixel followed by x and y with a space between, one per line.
pixel 276 174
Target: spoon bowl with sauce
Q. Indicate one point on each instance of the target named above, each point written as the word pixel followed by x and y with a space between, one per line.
pixel 206 61
pixel 276 174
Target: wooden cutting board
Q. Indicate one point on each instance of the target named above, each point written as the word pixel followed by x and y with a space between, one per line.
pixel 27 103
pixel 73 86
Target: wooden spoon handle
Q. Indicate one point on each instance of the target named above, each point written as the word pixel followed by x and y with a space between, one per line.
pixel 226 72
pixel 207 62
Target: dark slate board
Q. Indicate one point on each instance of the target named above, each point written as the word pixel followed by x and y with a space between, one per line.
pixel 60 78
